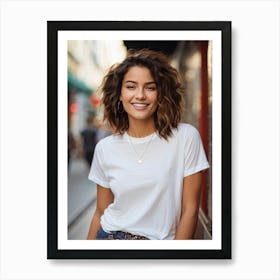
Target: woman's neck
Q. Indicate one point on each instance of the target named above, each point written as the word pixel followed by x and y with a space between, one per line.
pixel 140 129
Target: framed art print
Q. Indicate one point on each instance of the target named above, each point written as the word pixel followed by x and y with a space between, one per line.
pixel 79 54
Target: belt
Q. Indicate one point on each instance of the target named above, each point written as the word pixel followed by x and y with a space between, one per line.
pixel 125 235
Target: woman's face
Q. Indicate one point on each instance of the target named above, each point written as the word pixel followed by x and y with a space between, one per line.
pixel 139 94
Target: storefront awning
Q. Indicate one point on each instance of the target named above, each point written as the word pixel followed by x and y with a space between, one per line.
pixel 75 84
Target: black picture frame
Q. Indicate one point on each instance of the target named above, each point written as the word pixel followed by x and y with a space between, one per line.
pixel 53 252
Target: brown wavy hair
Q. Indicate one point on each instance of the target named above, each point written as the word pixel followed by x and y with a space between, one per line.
pixel 169 89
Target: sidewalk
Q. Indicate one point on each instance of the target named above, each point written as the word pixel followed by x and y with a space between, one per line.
pixel 79 229
pixel 81 199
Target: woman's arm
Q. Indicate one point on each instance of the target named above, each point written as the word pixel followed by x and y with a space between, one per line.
pixel 190 206
pixel 104 198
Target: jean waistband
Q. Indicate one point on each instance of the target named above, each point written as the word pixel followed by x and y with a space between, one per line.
pixel 119 235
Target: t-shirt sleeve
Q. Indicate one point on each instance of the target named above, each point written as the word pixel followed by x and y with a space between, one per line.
pixel 195 158
pixel 97 173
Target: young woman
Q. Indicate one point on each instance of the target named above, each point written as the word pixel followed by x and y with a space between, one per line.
pixel 148 171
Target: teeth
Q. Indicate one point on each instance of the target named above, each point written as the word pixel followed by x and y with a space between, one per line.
pixel 140 105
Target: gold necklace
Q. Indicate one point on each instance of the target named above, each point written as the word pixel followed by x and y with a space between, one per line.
pixel 139 160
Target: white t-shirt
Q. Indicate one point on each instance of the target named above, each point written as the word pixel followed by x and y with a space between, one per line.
pixel 147 196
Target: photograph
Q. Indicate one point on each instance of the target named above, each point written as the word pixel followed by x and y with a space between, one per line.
pixel 139 140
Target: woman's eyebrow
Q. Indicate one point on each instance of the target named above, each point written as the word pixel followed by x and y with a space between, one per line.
pixel 148 83
pixel 134 82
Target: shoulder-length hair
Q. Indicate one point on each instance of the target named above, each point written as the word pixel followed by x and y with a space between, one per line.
pixel 169 89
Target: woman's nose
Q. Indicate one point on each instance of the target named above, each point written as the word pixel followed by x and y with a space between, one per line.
pixel 140 94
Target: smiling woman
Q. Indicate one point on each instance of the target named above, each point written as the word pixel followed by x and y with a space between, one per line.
pixel 148 173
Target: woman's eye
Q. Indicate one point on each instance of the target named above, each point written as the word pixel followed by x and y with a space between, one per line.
pixel 130 87
pixel 150 88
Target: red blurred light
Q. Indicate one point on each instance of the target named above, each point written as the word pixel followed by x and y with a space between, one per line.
pixel 95 101
pixel 73 108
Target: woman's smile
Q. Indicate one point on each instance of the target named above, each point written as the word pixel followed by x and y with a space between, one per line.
pixel 140 106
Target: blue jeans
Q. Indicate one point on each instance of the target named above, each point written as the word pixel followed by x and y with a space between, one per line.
pixel 102 234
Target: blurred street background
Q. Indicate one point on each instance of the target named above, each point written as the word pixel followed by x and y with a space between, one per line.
pixel 81 200
pixel 88 62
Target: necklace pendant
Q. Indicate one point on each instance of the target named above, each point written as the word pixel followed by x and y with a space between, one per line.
pixel 139 161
